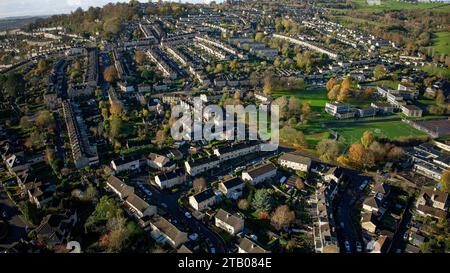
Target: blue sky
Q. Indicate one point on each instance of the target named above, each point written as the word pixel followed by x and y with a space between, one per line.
pixel 12 8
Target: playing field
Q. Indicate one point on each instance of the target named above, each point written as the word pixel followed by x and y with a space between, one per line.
pixel 441 42
pixel 351 132
pixel 397 5
pixel 316 96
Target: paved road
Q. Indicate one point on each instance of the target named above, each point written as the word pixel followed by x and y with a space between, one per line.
pixel 178 213
pixel 16 224
pixel 346 211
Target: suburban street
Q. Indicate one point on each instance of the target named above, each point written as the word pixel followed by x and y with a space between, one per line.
pixel 17 227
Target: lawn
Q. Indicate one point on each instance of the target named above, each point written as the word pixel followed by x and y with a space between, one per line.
pixel 316 96
pixel 443 72
pixel 388 83
pixel 396 5
pixel 441 42
pixel 351 132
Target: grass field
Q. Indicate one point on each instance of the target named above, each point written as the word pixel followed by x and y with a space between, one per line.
pixel 441 42
pixel 443 72
pixel 351 132
pixel 396 5
pixel 317 97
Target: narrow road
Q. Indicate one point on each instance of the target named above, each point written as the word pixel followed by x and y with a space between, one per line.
pixel 177 212
pixel 16 224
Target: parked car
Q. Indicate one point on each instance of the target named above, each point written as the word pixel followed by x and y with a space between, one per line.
pixel 213 250
pixel 347 246
pixel 358 247
pixel 193 237
pixel 188 215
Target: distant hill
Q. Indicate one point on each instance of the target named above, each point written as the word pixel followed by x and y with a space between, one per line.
pixel 17 22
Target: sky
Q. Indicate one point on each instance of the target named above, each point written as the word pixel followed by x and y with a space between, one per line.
pixel 14 8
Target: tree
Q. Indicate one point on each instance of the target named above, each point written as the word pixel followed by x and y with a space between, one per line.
pixel 294 106
pixel 395 153
pixel 243 204
pixel 110 74
pixel 332 95
pixel 328 149
pixel 25 122
pixel 31 212
pixel 219 68
pixel 262 200
pixel 379 72
pixel 140 57
pixel 367 139
pixel 233 64
pixel 267 89
pixel 331 83
pixel 345 85
pixel 356 153
pixel 45 120
pixel 282 217
pixel 445 181
pixel 343 95
pixel 14 85
pixel 282 103
pixel 106 209
pixel 199 184
pixel 299 184
pixel 306 108
pixel 291 136
pixel 116 109
pixel 91 193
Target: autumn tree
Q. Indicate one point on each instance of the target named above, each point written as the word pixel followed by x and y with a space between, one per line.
pixel 328 149
pixel 110 74
pixel 343 95
pixel 199 184
pixel 356 153
pixel 299 184
pixel 243 204
pixel 445 181
pixel 268 85
pixel 334 92
pixel 367 139
pixel 331 83
pixel 294 106
pixel 140 57
pixel 396 153
pixel 282 217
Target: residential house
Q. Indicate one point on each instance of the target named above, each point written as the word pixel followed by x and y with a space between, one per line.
pixel 195 167
pixel 372 204
pixel 295 162
pixel 202 200
pixel 369 222
pixel 260 174
pixel 248 246
pixel 164 231
pixel 126 163
pixel 433 203
pixel 232 188
pixel 139 206
pixel 170 179
pixel 231 223
pixel 55 229
pixel 119 187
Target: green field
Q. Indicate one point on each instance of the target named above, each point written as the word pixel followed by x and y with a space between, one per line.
pixel 396 5
pixel 442 72
pixel 441 42
pixel 351 132
pixel 317 97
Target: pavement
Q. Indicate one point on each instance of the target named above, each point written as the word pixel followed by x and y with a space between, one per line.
pixel 16 224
